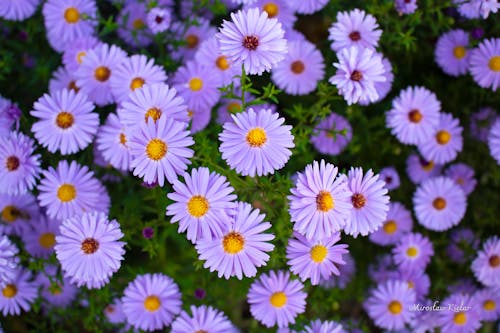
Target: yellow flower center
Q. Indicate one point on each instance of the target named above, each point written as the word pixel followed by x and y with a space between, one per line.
pixel 55 289
pixel 123 139
pixel 427 165
pixel 138 24
pixel 278 299
pixel 234 107
pixel 297 67
pixel 64 120
pixel 443 137
pixel 90 245
pixel 439 203
pixel 136 83
pixel 233 242
pixel 156 149
pixel 198 206
pixel 411 285
pixel 412 252
pixel 460 318
pixel 494 261
pixel 318 253
pixel 192 41
pixel 66 192
pixel 10 213
pixel 12 163
pixel 489 305
pixel 222 63
pixel 47 240
pixel 79 56
pixel 153 113
pixel 71 15
pixel 415 116
pixel 324 201
pixel 395 307
pixel 390 227
pixel 102 73
pixel 271 9
pixel 9 291
pixel 256 137
pixel 494 63
pixel 195 84
pixel 190 113
pixel 152 303
pixel 459 52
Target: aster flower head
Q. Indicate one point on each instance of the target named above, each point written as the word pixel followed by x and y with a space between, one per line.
pixel 232 106
pixel 320 202
pixel 40 239
pixel 275 299
pixel 418 281
pixel 354 28
pixel 486 266
pixel 257 143
pixel 301 70
pixel 201 204
pixel 70 190
pixel 488 303
pixel 7 117
pixel 62 79
pixel 307 6
pixel 111 141
pixel 58 292
pixel 16 212
pixel 398 223
pixel 19 294
pixel 389 305
pixel 202 319
pixel 8 261
pixel 76 50
pixel 414 116
pixel 383 87
pixel 209 55
pixel 132 21
pixel 405 6
pixel 347 272
pixel 464 319
pixel 391 177
pixel 460 240
pixel 315 259
pixel 192 36
pixel 494 141
pixel 114 312
pixel 439 203
pixel 369 200
pixel 16 10
pixel 463 175
pixel 21 167
pixel 383 268
pixel 481 122
pixel 253 39
pixel 332 134
pixel 419 169
pixel 159 19
pixel 451 52
pixel 485 64
pixel 160 151
pixel 66 121
pixel 151 301
pixel 413 252
pixel 358 70
pixel 317 326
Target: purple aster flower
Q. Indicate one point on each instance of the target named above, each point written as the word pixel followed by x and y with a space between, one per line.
pixel 40 239
pixel 481 122
pixel 412 252
pixel 279 9
pixel 301 70
pixel 56 292
pixel 94 74
pixel 487 7
pixel 202 204
pixel 418 281
pixel 486 266
pixel 134 73
pixel 414 115
pixel 8 261
pixel 317 326
pixel 76 50
pixel 203 319
pixel 18 294
pixel 320 203
pixel 192 35
pixel 468 8
pixel 463 175
pixel 241 248
pixel 445 145
pixel 369 200
pixel 461 240
pixel 230 106
pixel 307 6
pixel 405 6
pixel 16 211
pixel 398 223
pixel 89 249
pixel 384 87
pixel 209 55
pixel 494 140
pixel 391 177
pixel 347 272
pixel 151 301
pixel 70 190
pixel 485 64
pixel 66 122
pixel 418 169
pixel 62 79
pixel 6 119
pixel 114 312
pixel 160 151
pixel 451 52
pixel 18 10
pixel 198 85
pixel 389 305
pixel 332 134
pixel 257 143
pixel 111 142
pixel 354 28
pixel 132 24
pixel 67 20
pixel 315 259
pixel 461 317
pixel 358 70
pixel 21 167
pixel 275 299
pixel 383 269
pixel 488 303
pixel 199 119
pixel 254 40
pixel 159 20
pixel 439 203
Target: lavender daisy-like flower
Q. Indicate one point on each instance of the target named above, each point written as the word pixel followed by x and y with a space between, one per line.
pixel 460 240
pixel 451 52
pixel 391 177
pixel 18 294
pixel 89 249
pixel 494 141
pixel 445 145
pixel 485 64
pixel 307 6
pixel 320 202
pixel 369 200
pixel 18 10
pixel 358 70
pixel 201 204
pixel 405 6
pixel 317 326
pixel 398 223
pixel 7 116
pixel 203 319
pixel 62 79
pixel 76 50
pixel 159 20
pixel 354 28
pixel 347 272
pixel 254 40
pixel 481 122
pixel 8 261
pixel 315 259
pixel 160 151
pixel 21 167
pixel 94 74
pixel 230 106
pixel 279 9
pixel 276 300
pixel 58 293
pixel 414 116
pixel 486 266
pixel 111 141
pixel 132 24
pixel 383 88
pixel 192 35
pixel 463 175
pixel 301 70
pixel 461 318
pixel 39 241
pixel 417 281
pixel 16 211
pixel 257 143
pixel 332 134
pixel 439 203
pixel 413 252
pixel 151 301
pixel 66 122
pixel 419 169
pixel 488 303
pixel 70 190
pixel 389 305
pixel 209 55
pixel 114 312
